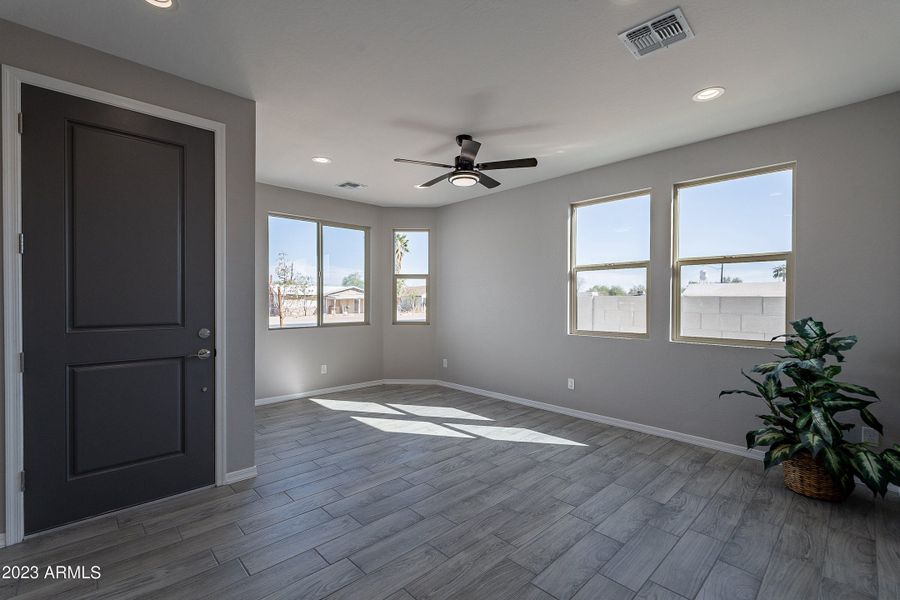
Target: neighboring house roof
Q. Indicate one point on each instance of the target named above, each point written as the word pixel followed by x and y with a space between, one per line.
pixel 331 291
pixel 764 289
pixel 350 293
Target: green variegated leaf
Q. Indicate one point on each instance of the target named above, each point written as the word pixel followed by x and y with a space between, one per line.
pixel 771 387
pixel 786 408
pixel 812 442
pixel 856 389
pixel 832 371
pixel 803 420
pixel 839 402
pixel 769 437
pixel 818 348
pixel 842 344
pixel 891 460
pixel 795 348
pixel 811 364
pixel 779 453
pixel 820 423
pixel 766 367
pixel 870 420
pixel 809 329
pixel 754 437
pixel 869 468
pixel 833 461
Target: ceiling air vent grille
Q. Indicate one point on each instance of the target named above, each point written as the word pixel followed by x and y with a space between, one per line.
pixel 351 185
pixel 657 33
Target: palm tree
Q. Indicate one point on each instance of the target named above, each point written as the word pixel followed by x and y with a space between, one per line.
pixel 401 249
pixel 780 272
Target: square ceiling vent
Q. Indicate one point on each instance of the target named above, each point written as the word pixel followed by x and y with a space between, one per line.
pixel 657 33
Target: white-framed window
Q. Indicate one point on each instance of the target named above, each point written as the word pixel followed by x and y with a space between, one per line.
pixel 732 248
pixel 411 273
pixel 609 275
pixel 318 273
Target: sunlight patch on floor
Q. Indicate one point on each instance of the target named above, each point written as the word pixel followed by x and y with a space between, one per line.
pixel 438 412
pixel 352 406
pixel 513 434
pixel 414 427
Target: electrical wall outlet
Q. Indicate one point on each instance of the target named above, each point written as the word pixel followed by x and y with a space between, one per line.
pixel 324 369
pixel 870 436
pixel 571 383
pixel 445 363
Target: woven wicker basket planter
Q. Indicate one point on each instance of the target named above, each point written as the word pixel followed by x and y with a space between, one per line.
pixel 807 477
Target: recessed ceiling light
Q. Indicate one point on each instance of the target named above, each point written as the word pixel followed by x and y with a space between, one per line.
pixel 161 3
pixel 707 94
pixel 464 178
pixel 322 160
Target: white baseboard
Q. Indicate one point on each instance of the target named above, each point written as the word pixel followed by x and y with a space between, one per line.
pixel 412 382
pixel 240 475
pixel 589 416
pixel 307 394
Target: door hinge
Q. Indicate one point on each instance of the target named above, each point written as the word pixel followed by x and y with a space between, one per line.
pixel 21 243
pixel 21 123
pixel 22 481
pixel 21 362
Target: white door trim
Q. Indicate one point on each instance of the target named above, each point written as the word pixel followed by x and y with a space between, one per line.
pixel 12 80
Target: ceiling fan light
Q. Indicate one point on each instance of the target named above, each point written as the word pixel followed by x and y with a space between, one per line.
pixel 464 178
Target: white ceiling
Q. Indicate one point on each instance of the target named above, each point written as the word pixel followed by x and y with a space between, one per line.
pixel 364 81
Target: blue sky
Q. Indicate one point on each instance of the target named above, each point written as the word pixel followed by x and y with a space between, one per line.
pixel 344 249
pixel 739 216
pixel 616 231
pixel 416 261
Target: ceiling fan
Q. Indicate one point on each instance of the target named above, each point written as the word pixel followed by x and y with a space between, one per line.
pixel 465 172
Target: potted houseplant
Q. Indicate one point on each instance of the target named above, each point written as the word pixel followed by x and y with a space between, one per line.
pixel 804 397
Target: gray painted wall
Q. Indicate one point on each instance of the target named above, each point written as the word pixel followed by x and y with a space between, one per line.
pixel 502 264
pixel 288 360
pixel 38 52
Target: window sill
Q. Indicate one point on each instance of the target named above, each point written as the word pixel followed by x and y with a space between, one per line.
pixel 614 335
pixel 322 326
pixel 728 343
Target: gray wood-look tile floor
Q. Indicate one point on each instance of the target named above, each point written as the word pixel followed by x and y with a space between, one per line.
pixel 374 496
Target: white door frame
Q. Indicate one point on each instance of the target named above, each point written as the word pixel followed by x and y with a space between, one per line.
pixel 12 80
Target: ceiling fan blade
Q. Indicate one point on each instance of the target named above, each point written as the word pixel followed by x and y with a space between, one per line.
pixel 469 150
pixel 517 163
pixel 488 182
pixel 434 181
pixel 423 162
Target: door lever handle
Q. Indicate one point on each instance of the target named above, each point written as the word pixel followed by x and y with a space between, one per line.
pixel 202 354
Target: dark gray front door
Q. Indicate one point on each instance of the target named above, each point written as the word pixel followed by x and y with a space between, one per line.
pixel 118 280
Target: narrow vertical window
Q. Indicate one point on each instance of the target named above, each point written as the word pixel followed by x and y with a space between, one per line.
pixel 412 280
pixel 610 266
pixel 733 258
